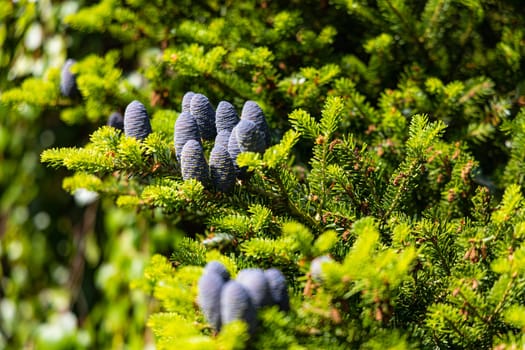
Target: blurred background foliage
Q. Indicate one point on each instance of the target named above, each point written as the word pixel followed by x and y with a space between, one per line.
pixel 67 261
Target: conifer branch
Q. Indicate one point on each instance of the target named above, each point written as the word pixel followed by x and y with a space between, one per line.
pixel 386 200
pixel 499 307
pixel 409 29
pixel 294 208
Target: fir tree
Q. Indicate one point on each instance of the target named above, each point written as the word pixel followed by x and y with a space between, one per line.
pixel 371 157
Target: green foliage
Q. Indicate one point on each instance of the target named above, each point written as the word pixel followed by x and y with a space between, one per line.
pixel 397 150
pixel 388 261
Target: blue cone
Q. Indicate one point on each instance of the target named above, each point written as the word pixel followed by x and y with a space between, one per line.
pixel 222 170
pixel 116 120
pixel 278 288
pixel 136 121
pixel 186 101
pixel 192 162
pixel 209 298
pixel 255 283
pixel 204 115
pixel 249 137
pixel 185 129
pixel 252 112
pixel 225 117
pixel 222 138
pixel 237 305
pixel 68 81
pixel 234 151
pixel 217 268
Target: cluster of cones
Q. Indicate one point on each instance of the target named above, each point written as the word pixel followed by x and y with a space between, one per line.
pixel 197 122
pixel 223 300
pixel 231 135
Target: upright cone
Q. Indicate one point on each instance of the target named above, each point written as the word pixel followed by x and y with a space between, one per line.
pixel 136 121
